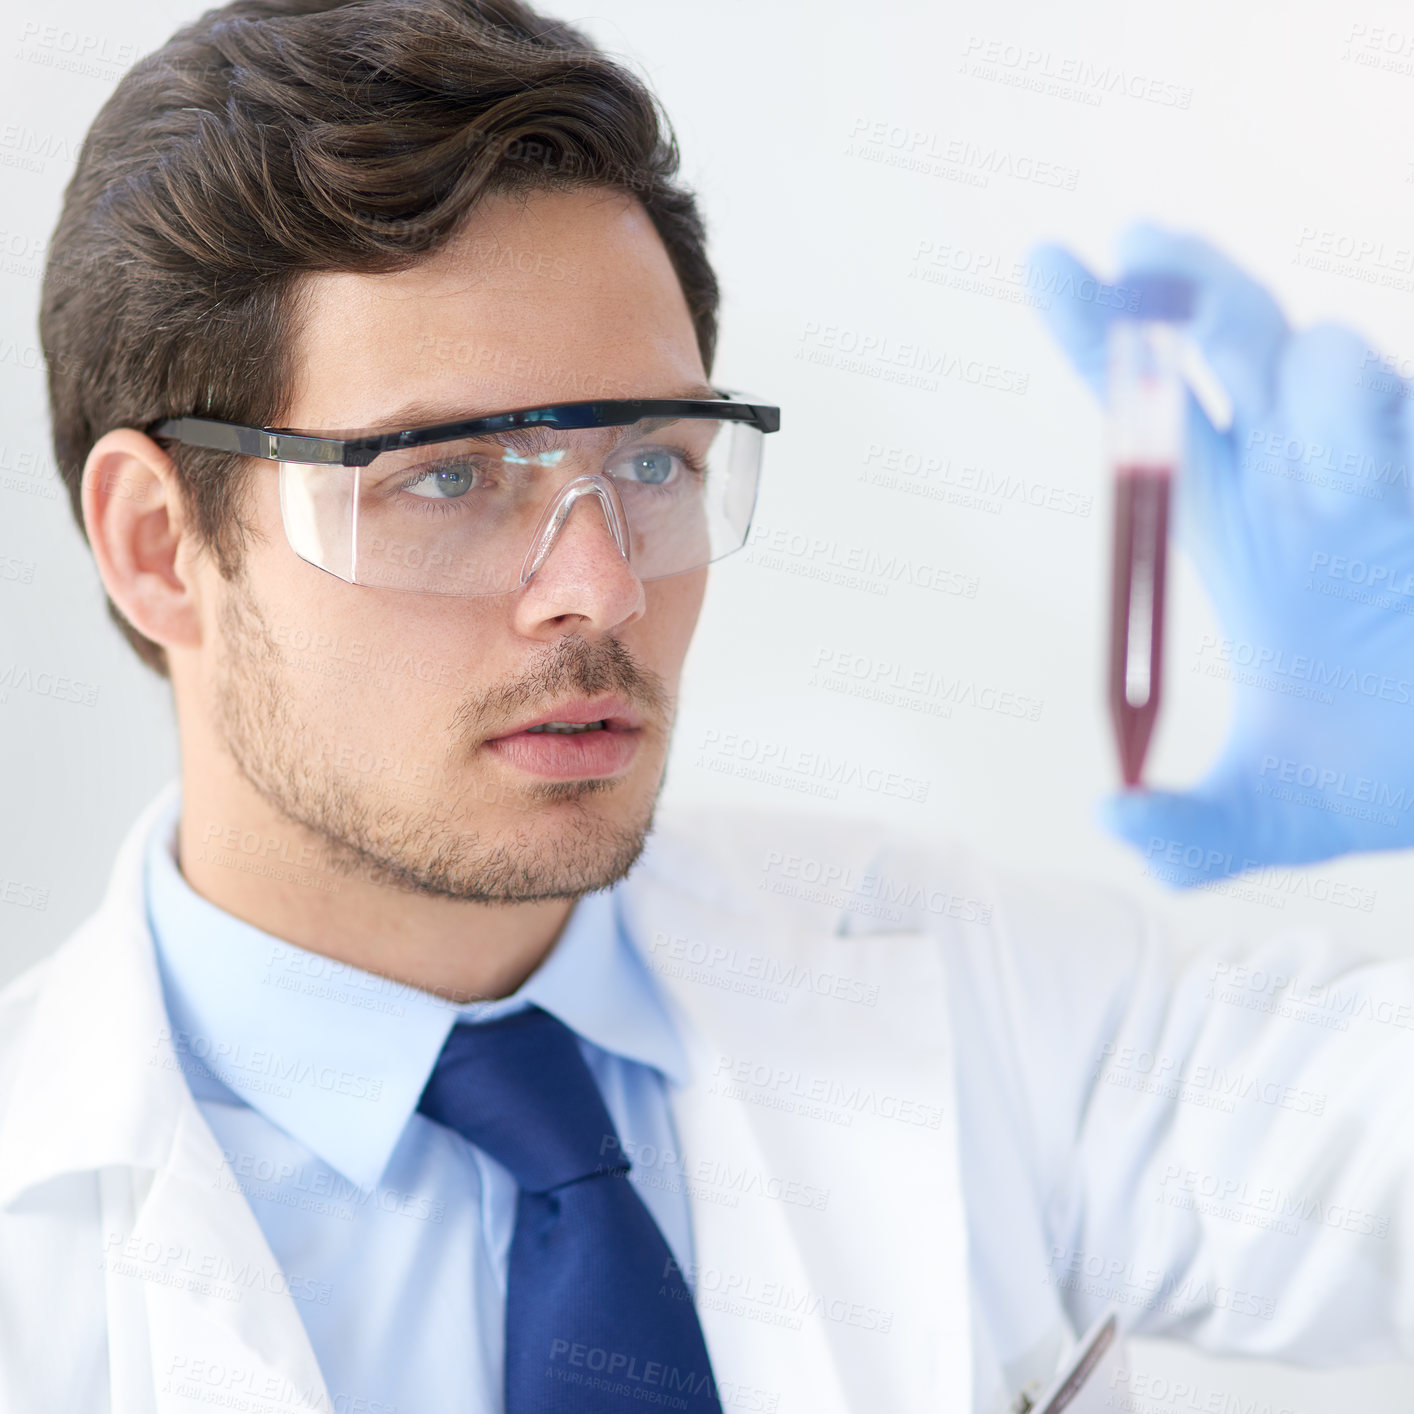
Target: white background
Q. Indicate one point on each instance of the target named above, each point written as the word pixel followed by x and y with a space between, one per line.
pixel 835 147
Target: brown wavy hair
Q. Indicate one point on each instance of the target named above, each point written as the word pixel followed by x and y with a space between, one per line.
pixel 276 138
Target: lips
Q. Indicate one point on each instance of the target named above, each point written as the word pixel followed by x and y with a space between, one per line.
pixel 614 712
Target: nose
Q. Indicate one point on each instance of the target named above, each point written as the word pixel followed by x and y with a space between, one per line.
pixel 590 577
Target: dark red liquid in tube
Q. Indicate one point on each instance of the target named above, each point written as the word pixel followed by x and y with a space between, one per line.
pixel 1141 523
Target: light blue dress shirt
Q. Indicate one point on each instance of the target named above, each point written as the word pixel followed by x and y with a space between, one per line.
pixel 394 1232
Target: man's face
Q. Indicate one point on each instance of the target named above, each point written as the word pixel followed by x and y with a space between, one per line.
pixel 362 713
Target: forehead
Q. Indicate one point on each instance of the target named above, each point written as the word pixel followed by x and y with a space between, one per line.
pixel 554 296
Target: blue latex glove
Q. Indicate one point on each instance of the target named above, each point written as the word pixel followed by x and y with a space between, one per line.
pixel 1299 519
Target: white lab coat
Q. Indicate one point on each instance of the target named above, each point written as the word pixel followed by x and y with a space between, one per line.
pixel 856 1004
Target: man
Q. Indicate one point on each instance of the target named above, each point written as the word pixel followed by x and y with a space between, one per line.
pixel 330 1106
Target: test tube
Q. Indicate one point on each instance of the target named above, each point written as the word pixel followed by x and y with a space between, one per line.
pixel 1145 418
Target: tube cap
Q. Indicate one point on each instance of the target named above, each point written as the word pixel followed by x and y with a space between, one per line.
pixel 1158 294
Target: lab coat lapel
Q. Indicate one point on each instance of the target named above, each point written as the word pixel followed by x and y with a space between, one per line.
pixel 819 1061
pixel 197 1306
pixel 226 1319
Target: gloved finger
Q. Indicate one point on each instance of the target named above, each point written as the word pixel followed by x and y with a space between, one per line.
pixel 1077 310
pixel 1236 323
pixel 1339 426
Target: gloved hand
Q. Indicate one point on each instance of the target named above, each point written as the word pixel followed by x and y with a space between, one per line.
pixel 1300 520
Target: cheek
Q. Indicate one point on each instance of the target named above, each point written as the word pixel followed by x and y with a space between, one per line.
pixel 394 638
pixel 674 605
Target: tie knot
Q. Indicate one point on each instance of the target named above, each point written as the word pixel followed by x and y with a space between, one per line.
pixel 519 1089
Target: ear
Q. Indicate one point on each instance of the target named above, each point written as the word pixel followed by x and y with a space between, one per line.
pixel 133 515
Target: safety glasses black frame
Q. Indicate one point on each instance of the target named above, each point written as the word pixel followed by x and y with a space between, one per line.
pixel 284 445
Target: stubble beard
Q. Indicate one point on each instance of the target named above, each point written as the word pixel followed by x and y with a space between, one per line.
pixel 429 846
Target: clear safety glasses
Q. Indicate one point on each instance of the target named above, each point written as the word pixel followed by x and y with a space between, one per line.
pixel 473 507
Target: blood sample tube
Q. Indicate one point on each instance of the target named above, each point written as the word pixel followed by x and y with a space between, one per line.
pixel 1145 433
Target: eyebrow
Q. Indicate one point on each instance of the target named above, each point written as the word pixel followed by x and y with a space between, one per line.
pixel 426 413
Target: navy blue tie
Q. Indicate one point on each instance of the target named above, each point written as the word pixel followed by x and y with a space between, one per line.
pixel 598 1317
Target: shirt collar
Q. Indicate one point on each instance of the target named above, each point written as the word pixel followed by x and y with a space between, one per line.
pixel 338 1057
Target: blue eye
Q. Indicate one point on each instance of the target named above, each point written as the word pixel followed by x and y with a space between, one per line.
pixel 442 483
pixel 653 468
